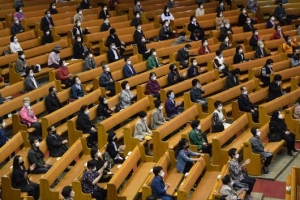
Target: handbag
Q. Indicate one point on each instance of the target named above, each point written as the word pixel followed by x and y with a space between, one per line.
pixel 118 108
pixel 109 160
pixel 274 137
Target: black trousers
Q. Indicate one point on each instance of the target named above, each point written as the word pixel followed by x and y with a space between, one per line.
pixel 187 167
pixel 99 194
pixel 250 182
pixel 268 161
pixel 38 128
pixel 255 116
pixel 206 149
pixel 290 141
pixel 32 189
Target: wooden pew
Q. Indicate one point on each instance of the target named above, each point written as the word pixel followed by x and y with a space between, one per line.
pixel 286 74
pixel 206 184
pixel 295 83
pixel 79 152
pixel 221 153
pixel 10 192
pixel 141 165
pixel 255 166
pixel 293 182
pixel 292 123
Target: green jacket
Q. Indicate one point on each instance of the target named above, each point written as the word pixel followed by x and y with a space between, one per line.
pixel 151 62
pixel 196 139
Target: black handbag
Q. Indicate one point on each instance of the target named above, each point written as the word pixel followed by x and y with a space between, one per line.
pixel 274 137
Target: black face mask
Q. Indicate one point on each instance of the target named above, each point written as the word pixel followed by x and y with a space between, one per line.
pixel 280 5
pixel 54 132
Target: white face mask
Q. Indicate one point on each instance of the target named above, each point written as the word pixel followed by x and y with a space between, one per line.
pixel 78 82
pixel 154 78
pixel 195 63
pixel 113 47
pixel 162 174
pixel 205 43
pixel 37 144
pixel 91 55
pixel 105 101
pixel 231 183
pixel 105 8
pixel 201 7
pixel 23 56
pixel 226 39
pixel 107 69
pixel 258 133
pixel 241 51
pixel 194 20
pixel 160 107
pixel 221 15
pixel 280 116
pixel 199 127
pixel 106 21
pixel 87 112
pixel 94 169
pixel 80 12
pixel 154 53
pixel 15 40
pixel 220 108
pixel 49 15
pixel 53 7
pixel 99 154
pixel 26 105
pixel 79 24
pixel 262 46
pixel 3 124
pixel 17 21
pixel 47 33
pixel 272 18
pixel 237 156
pixel 244 11
pixel 248 21
pixel 79 40
pixel 245 92
pixel 227 25
pixel 127 87
pixel 129 62
pixel 31 74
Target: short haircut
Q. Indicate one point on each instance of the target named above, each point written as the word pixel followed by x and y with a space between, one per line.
pixel 110 137
pixel 169 93
pixel 253 130
pixel 123 84
pixel 156 170
pixel 218 52
pixel 157 103
pixel 66 191
pixel 83 108
pixel 142 114
pixel 51 89
pixel 12 37
pixel 226 179
pixel 194 82
pixel 49 129
pixel 277 77
pixel 217 103
pixel 195 123
pixel 192 60
pixel 94 150
pixel 32 139
pixel 269 61
pixel 91 164
pixel 187 46
pixel 231 152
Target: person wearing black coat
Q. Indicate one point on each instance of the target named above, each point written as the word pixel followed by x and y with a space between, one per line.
pixel 85 4
pixel 113 38
pixel 52 8
pixel 107 81
pixel 105 26
pixel 239 56
pixel 232 78
pixel 78 49
pixel 136 20
pixel 266 71
pixel 52 102
pixel 20 178
pixel 46 21
pixel 97 157
pixel 56 145
pixel 138 34
pixel 221 7
pixel 113 150
pixel 243 17
pixel 104 13
pixel 47 37
pixel 113 53
pixel 274 88
pixel 246 105
pixel 278 127
pixel 193 25
pixel 165 32
pixel 16 27
pixel 248 26
pixel 174 76
pixel 103 111
pixel 260 51
pixel 226 30
pixel 84 124
pixel 142 48
pixel 183 55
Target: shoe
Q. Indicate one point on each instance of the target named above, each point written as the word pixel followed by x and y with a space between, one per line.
pixel 265 171
pixel 295 150
pixel 290 154
pixel 149 153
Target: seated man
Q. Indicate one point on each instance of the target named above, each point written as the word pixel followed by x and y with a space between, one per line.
pixel 76 89
pixel 106 80
pixel 36 156
pixel 275 88
pixel 245 104
pixel 193 69
pixel 113 38
pixel 183 55
pixel 113 53
pixel 56 145
pixel 52 102
pixel 128 69
pixel 16 27
pixel 196 91
pixel 232 78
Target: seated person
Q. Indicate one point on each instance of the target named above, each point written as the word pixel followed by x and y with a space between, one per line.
pixel 193 69
pixel 68 193
pixel 136 20
pixel 198 138
pixel 90 179
pixel 183 156
pixel 36 157
pixel 113 53
pixel 197 35
pixel 252 6
pixel 138 34
pixel 54 57
pixel 254 39
pixel 172 108
pixel 84 124
pixel 52 8
pixel 103 111
pixel 113 38
pixel 289 46
pixel 76 89
pixel 56 145
pixel 280 14
pixel 266 71
pixel 279 129
pixel 246 105
pixel 275 88
pixel 89 62
pixel 30 82
pixel 166 15
pixel 174 76
pixel 278 33
pixel 271 22
pixel 295 60
pixel 152 86
pixel 63 73
pixel 225 44
pixel 157 117
pixel 200 10
pixel 219 63
pixel 232 78
pixel 128 69
pixel 77 30
pixel 248 26
pixel 14 45
pixel 52 102
pixel 193 25
pixel 20 179
pixel 219 21
pixel 158 187
pixel 153 61
pixel 85 4
pixel 104 12
pixel 181 39
pixel 260 50
pixel 47 21
pixel 204 49
pixel 239 56
pixel 78 16
pixel 113 150
pixel 258 148
pixel 243 16
pixel 220 7
pixel 78 48
pixel 226 30
pixel 19 13
pixel 21 64
pixel 3 137
pixel 296 113
pixel 18 3
pixel 16 27
pixel 97 157
pixel 196 91
pixel 142 48
pixel 47 37
pixel 183 55
pixel 228 190
pixel 27 117
pixel 105 26
pixel 218 118
pixel 142 132
pixel 137 6
pixel 107 81
pixel 126 96
pixel 165 32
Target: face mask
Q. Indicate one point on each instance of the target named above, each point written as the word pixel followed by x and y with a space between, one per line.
pixel 115 139
pixel 279 29
pixel 272 18
pixel 221 15
pixel 106 21
pixel 154 78
pixel 145 119
pixel 289 40
pixel 129 62
pixel 105 101
pixel 23 56
pixel 256 33
pixel 80 12
pixel 244 11
pixel 3 124
pixel 220 108
pixel 26 105
pixel 231 183
pixel 237 156
pixel 138 16
pixel 280 116
pixel 162 174
pixel 195 63
pixel 205 43
pixel 227 25
pixel 87 112
pixel 99 154
pixel 94 169
pixel 22 162
pixel 172 96
pixel 241 51
pixel 105 8
pixel 78 82
pixel 194 20
pixel 113 46
pixel 139 28
pixel 17 21
pixel 201 7
pixel 31 74
pixel 127 87
pixel 258 133
pixel 270 66
pixel 175 69
pixel 154 53
pixel 53 7
pixel 37 144
pixel 262 46
pixel 248 21
pixel 15 40
pixel 166 24
pixel 20 11
pixel 167 10
pixel 107 69
pixel 47 33
pixel 79 24
pixel 91 55
pixel 245 92
pixel 226 39
pixel 143 40
pixel 160 107
pixel 79 40
pixel 221 4
pixel 48 15
pixel 199 127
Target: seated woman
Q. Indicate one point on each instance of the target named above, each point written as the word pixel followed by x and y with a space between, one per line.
pixel 166 15
pixel 97 157
pixel 289 46
pixel 219 20
pixel 174 76
pixel 105 26
pixel 239 56
pixel 226 30
pixel 200 10
pixel 103 111
pixel 266 71
pixel 271 22
pixel 52 8
pixel 78 48
pixel 165 32
pixel 198 138
pixel 232 78
pixel 219 63
pixel 278 33
pixel 254 39
pixel 193 25
pixel 183 156
pixel 158 186
pixel 237 171
pixel 227 188
pixel 204 49
pixel 21 64
pixel 90 179
pixel 225 44
pixel 260 50
pixel 172 108
pixel 279 131
pixel 89 61
pixel 126 96
pixel 142 48
pixel 258 148
pixel 142 132
pixel 218 118
pixel 104 13
pixel 30 82
pixel 14 44
pixel 63 73
pixel 76 89
pixel 157 117
pixel 20 179
pixel 68 193
pixel 152 86
pixel 113 150
pixel 295 60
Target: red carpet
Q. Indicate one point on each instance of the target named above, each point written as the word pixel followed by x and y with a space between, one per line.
pixel 272 189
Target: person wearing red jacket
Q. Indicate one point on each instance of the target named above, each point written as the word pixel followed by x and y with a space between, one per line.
pixel 152 86
pixel 205 48
pixel 278 33
pixel 63 73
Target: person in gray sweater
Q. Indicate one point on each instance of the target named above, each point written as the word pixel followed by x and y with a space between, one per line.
pixel 157 118
pixel 21 64
pixel 89 62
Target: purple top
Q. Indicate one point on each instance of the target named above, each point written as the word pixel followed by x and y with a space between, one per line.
pixel 87 181
pixel 19 16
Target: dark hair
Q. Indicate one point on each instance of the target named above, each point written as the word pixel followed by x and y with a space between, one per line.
pixel 151 74
pixel 12 37
pixel 164 22
pixel 277 77
pixel 157 103
pixel 27 70
pixel 235 71
pixel 78 9
pixel 74 79
pixel 110 137
pixel 231 152
pixel 32 139
pixel 101 99
pixel 195 123
pixel 181 145
pixel 49 129
pixel 297 101
pixel 192 17
pixel 194 82
pixel 165 9
pixel 135 1
pixel 169 93
pixel 218 52
pixel 156 170
pixel 46 12
pixel 255 29
pixel 142 114
pixel 112 31
pixel 269 61
pixel 66 191
pixel 242 88
pixel 91 164
pixel 1 120
pixel 187 45
pixel 152 50
pixel 275 115
pixel 17 9
pixel 83 108
pixel 103 5
pixel 123 84
pixel 20 53
pixel 253 131
pixel 60 62
pixel 171 67
pixel 226 179
pixel 94 150
pixel 217 103
pixel 203 40
pixel 16 164
pixel 192 60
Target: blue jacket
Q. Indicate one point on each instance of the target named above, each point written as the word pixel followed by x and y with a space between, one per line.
pixel 75 92
pixel 171 108
pixel 158 188
pixel 183 158
pixel 193 71
pixel 3 138
pixel 127 72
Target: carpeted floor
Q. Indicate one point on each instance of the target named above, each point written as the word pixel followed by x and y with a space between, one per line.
pixel 269 188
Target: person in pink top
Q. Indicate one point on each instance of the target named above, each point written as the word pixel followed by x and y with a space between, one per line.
pixel 19 14
pixel 27 117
